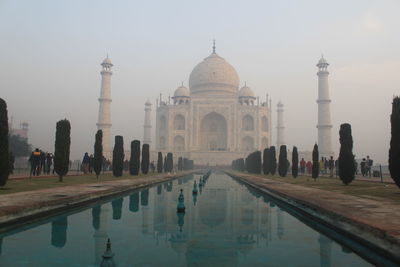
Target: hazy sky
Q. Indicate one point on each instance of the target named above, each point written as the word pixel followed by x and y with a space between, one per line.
pixel 51 53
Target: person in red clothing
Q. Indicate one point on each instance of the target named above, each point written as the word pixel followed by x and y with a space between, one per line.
pixel 302 166
pixel 309 167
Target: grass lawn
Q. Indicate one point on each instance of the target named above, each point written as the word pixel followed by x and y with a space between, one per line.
pixel 35 183
pixel 363 189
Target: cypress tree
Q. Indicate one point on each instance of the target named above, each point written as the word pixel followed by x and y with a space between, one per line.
pixel 170 162
pixel 257 162
pixel 160 163
pixel 266 161
pixel 165 164
pixel 134 162
pixel 272 160
pixel 145 158
pixel 241 164
pixel 346 158
pixel 394 151
pixel 4 150
pixel 62 148
pixel 315 165
pixel 282 168
pixel 295 162
pixel 118 156
pixel 98 153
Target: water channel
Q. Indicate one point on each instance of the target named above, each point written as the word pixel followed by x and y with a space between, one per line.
pixel 225 225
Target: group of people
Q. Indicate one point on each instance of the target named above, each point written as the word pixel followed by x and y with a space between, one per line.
pixel 325 165
pixel 40 162
pixel 366 166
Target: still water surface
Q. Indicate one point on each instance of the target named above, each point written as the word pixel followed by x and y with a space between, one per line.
pixel 225 225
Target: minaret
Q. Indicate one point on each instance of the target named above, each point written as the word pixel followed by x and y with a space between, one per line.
pixel 104 122
pixel 280 136
pixel 324 113
pixel 147 123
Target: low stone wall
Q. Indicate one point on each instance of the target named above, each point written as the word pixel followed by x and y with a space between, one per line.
pixel 22 208
pixel 375 224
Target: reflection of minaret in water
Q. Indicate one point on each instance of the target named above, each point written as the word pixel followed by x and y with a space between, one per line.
pixel 100 215
pixel 144 201
pixel 59 232
pixel 325 251
pixel 280 229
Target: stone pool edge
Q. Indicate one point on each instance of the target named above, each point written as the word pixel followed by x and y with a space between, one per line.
pixel 22 210
pixel 367 234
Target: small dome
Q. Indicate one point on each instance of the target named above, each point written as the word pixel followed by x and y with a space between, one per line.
pixel 148 103
pixel 280 104
pixel 246 91
pixel 182 91
pixel 107 61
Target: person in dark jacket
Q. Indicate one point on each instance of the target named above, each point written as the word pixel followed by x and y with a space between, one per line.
pixel 49 162
pixel 85 163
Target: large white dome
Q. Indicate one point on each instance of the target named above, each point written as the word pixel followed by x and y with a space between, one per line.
pixel 213 76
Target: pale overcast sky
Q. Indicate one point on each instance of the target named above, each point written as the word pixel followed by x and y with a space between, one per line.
pixel 51 53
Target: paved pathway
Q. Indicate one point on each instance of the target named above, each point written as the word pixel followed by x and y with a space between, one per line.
pixel 31 205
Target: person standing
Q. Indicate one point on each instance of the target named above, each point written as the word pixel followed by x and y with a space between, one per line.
pixel 85 163
pixel 369 166
pixel 302 166
pixel 363 167
pixel 91 163
pixel 331 165
pixel 36 155
pixel 42 162
pixel 309 167
pixel 49 162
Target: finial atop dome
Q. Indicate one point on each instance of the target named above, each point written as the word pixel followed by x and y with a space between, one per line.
pixel 214 46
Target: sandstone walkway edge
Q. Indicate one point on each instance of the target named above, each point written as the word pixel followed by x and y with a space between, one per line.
pixel 375 223
pixel 18 209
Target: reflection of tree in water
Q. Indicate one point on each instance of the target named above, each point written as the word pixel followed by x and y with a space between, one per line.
pixel 59 232
pixel 1 244
pixel 159 189
pixel 117 208
pixel 144 197
pixel 96 217
pixel 134 202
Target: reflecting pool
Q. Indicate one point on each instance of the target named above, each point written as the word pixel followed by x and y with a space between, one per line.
pixel 225 224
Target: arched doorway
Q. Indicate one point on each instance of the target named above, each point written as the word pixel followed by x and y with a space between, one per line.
pixel 213 132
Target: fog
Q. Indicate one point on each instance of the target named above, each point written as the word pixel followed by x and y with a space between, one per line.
pixel 51 53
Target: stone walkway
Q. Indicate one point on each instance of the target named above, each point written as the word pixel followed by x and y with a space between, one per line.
pixel 377 222
pixel 18 208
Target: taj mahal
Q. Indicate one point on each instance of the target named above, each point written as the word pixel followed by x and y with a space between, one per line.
pixel 214 121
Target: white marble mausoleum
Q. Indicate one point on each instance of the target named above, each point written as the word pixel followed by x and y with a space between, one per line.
pixel 213 121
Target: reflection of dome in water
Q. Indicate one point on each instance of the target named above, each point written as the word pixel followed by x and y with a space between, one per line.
pixel 213 208
pixel 214 75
